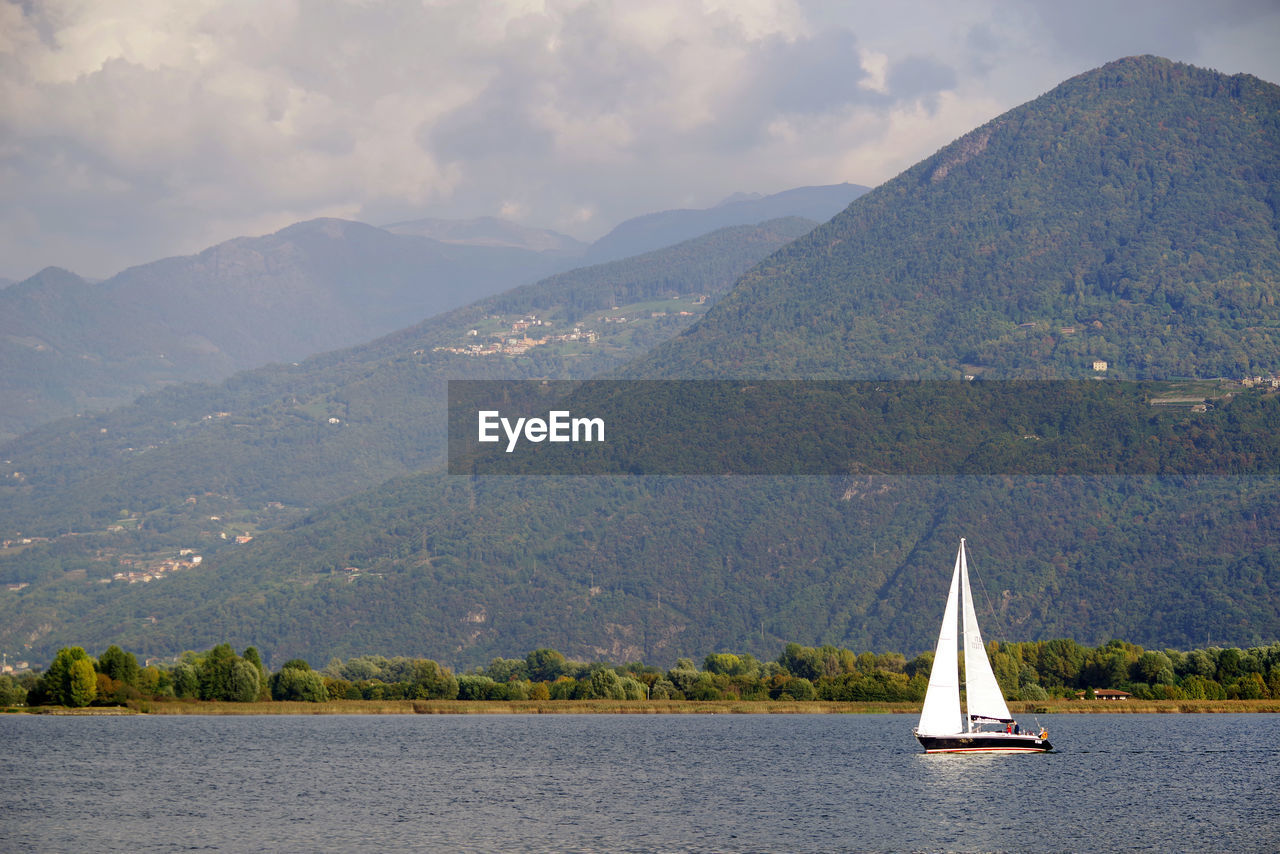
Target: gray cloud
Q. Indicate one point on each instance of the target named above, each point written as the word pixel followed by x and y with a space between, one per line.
pixel 919 77
pixel 129 132
pixel 499 122
pixel 811 75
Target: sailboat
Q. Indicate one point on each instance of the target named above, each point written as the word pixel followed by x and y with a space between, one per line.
pixel 943 727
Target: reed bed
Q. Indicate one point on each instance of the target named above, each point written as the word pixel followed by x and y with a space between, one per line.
pixel 1132 706
pixel 643 707
pixel 521 707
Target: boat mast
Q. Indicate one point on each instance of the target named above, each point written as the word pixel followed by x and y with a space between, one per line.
pixel 966 608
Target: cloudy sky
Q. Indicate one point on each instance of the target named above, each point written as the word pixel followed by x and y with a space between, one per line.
pixel 134 130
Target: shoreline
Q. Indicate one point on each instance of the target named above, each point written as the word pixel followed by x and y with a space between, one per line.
pixel 638 707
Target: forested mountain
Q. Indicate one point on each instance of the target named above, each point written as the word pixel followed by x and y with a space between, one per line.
pixel 312 432
pixel 1131 211
pixel 655 568
pixel 1130 215
pixel 194 467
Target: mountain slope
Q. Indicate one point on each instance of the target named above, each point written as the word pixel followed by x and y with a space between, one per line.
pixel 1029 220
pixel 1130 215
pixel 932 274
pixel 313 432
pixel 658 568
pixel 67 346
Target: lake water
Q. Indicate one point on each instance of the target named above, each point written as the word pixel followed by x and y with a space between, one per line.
pixel 732 783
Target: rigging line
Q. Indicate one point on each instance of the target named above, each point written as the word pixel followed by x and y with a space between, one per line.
pixel 990 607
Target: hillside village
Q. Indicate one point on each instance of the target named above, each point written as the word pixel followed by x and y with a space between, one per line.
pixel 152 571
pixel 517 339
pixel 522 334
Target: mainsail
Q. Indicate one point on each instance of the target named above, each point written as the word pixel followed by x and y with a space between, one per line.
pixel 941 712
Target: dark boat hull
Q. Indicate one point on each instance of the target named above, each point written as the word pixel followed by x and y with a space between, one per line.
pixel 984 742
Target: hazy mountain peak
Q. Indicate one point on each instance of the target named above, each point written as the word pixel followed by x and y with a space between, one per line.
pixel 739 197
pixel 491 231
pixel 666 228
pixel 54 277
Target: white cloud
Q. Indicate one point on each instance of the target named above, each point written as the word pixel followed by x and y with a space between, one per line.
pixel 133 130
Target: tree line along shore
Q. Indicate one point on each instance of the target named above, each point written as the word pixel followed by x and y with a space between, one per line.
pixel 1042 676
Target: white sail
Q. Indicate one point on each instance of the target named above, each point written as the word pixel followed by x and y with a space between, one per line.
pixel 982 692
pixel 941 712
pixel 943 727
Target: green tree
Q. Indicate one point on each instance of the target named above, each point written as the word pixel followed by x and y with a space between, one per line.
pixel 474 686
pixel 119 665
pixel 1197 687
pixel 1060 662
pixel 11 691
pixel 1108 669
pixel 55 685
pixel 215 673
pixel 633 689
pixel 1152 668
pixel 722 662
pixel 186 680
pixel 297 681
pixel 433 682
pixel 340 689
pixel 507 669
pixel 545 665
pixel 1250 687
pixel 1198 662
pixel 563 688
pixel 242 684
pixel 921 665
pixel 1229 665
pixel 251 655
pixel 683 675
pixel 603 684
pixel 664 689
pixel 705 687
pixel 82 684
pixel 793 688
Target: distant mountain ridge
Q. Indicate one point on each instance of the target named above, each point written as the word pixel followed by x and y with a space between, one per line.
pixel 492 231
pixel 68 345
pixel 651 231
